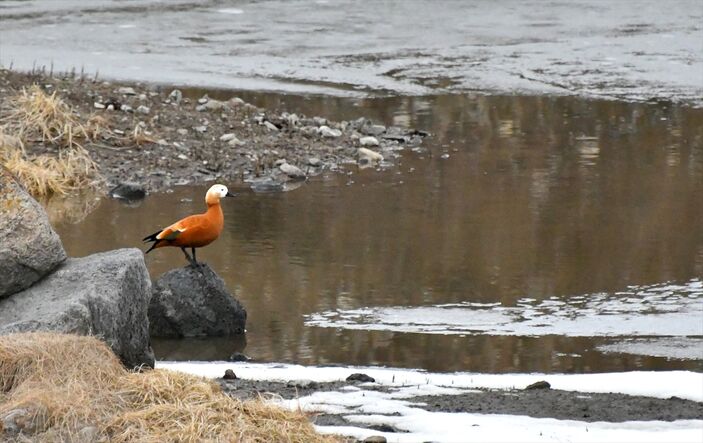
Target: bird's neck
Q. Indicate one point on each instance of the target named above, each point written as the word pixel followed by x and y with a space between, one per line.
pixel 214 211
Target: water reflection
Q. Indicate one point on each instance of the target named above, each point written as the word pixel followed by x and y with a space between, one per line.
pixel 540 197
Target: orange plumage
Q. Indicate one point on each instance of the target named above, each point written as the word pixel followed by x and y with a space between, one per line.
pixel 194 231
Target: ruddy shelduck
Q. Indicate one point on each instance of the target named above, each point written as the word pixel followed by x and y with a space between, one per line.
pixel 194 231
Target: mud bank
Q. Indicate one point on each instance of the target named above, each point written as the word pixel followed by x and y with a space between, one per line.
pixel 174 139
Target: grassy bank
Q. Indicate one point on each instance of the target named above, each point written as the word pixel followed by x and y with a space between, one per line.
pixel 68 388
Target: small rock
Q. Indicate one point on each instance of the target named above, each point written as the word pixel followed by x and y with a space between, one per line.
pixel 238 356
pixel 302 384
pixel 182 131
pixel 211 105
pixel 126 108
pixel 539 385
pixel 176 96
pixel 314 161
pixel 142 97
pixel 361 378
pixel 229 375
pixel 126 91
pixel 227 137
pixel 375 439
pixel 235 142
pixel 202 100
pixel 444 156
pixel 369 156
pixel 143 109
pixel 319 121
pixel 292 171
pixel 97 105
pixel 201 129
pixel 183 156
pixel 270 126
pixel 368 141
pixel 326 131
pixel 128 191
pixel 373 129
pixel 235 102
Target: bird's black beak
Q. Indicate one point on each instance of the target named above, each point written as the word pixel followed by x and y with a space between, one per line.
pixel 229 194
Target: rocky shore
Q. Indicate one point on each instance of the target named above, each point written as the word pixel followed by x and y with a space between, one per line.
pixel 155 137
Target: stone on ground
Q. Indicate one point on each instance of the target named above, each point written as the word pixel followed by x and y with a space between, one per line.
pixel 194 302
pixel 29 247
pixel 105 295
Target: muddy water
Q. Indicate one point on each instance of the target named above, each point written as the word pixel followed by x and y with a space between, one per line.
pixel 515 198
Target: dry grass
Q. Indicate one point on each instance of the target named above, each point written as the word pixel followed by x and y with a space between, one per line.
pixel 68 383
pixel 36 117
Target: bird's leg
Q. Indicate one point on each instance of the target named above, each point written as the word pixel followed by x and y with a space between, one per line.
pixel 194 260
pixel 190 260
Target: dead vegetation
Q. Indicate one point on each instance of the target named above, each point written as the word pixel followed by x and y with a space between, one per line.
pixel 58 387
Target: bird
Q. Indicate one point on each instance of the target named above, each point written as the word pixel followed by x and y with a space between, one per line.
pixel 194 231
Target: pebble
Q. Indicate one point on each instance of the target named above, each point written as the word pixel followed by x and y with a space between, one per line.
pixel 183 156
pixel 182 131
pixel 539 385
pixel 142 97
pixel 361 377
pixel 326 131
pixel 230 375
pixel 126 108
pixel 373 129
pixel 368 141
pixel 369 156
pixel 202 100
pixel 444 156
pixel 319 121
pixel 97 105
pixel 143 109
pixel 236 101
pixel 176 96
pixel 270 126
pixel 126 91
pixel 227 137
pixel 210 105
pixel 200 129
pixel 314 161
pixel 235 142
pixel 292 171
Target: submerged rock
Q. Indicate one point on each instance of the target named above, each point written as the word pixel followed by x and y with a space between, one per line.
pixel 367 156
pixel 105 295
pixel 29 247
pixel 194 302
pixel 129 191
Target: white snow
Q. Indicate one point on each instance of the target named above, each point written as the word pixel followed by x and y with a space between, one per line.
pixel 658 310
pixel 364 407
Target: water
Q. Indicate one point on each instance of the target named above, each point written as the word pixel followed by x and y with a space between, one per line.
pixel 533 234
pixel 636 50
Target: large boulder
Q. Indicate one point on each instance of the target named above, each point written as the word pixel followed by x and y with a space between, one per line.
pixel 29 247
pixel 105 295
pixel 194 302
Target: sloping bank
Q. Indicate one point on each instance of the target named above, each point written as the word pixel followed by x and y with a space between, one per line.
pixel 74 380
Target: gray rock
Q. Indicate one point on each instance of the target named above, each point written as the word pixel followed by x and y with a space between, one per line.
pixel 367 156
pixel 204 99
pixel 373 129
pixel 319 121
pixel 229 375
pixel 235 102
pixel 29 247
pixel 238 356
pixel 126 90
pixel 538 385
pixel 194 302
pixel 360 377
pixel 201 129
pixel 182 131
pixel 270 126
pixel 105 294
pixel 143 109
pixel 211 105
pixel 176 96
pixel 292 171
pixel 375 439
pixel 368 141
pixel 227 137
pixel 314 161
pixel 130 191
pixel 326 131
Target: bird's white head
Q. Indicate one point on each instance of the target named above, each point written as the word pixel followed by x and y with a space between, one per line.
pixel 215 193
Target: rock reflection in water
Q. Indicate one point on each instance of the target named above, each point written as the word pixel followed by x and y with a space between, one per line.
pixel 510 214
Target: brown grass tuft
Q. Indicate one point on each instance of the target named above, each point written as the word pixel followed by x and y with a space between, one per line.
pixel 68 383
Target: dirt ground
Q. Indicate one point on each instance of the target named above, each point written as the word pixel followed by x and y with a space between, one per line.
pixel 540 403
pixel 184 140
